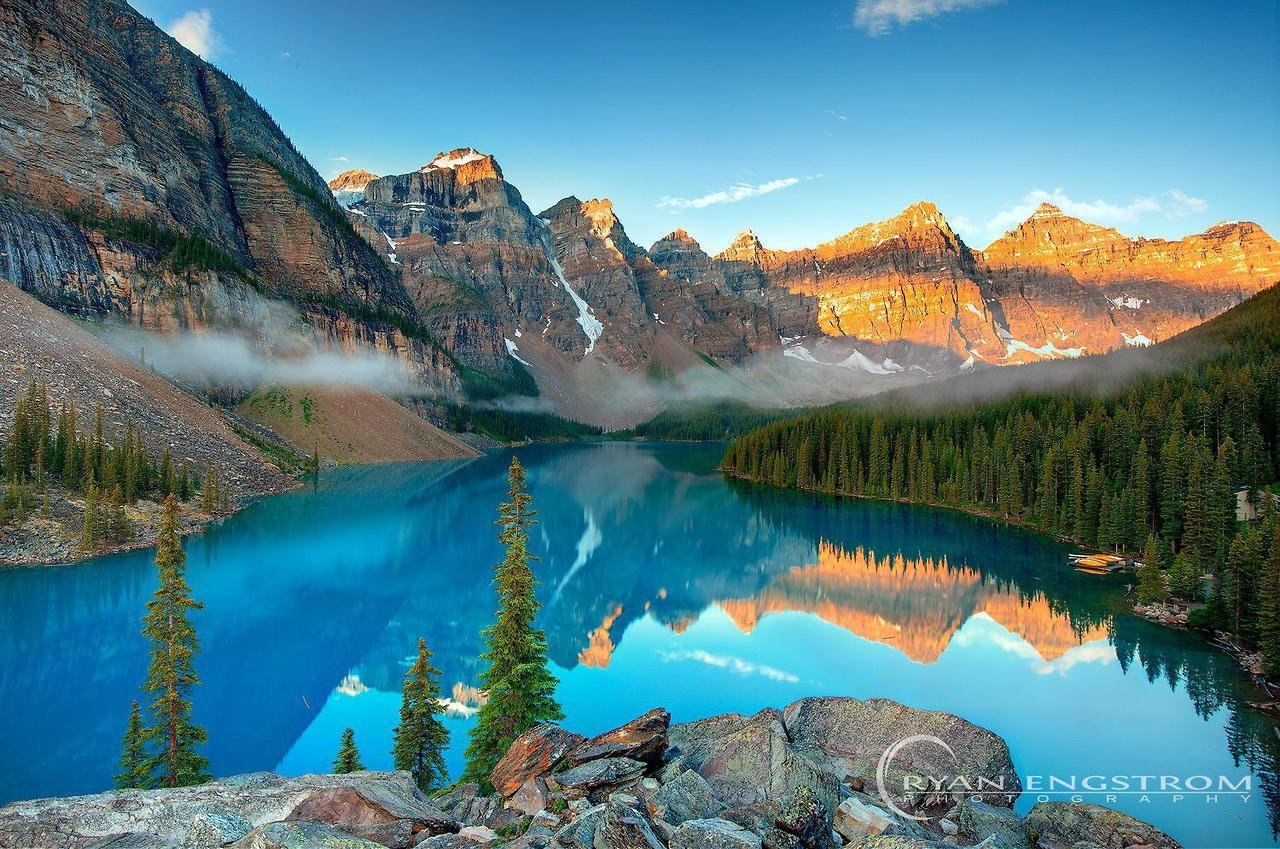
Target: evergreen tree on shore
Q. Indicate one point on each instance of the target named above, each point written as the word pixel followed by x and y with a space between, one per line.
pixel 421 738
pixel 348 759
pixel 520 689
pixel 1150 577
pixel 171 674
pixel 134 765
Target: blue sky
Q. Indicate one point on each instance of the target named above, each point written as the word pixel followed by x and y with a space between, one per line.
pixel 801 120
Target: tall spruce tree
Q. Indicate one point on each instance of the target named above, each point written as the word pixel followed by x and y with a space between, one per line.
pixel 1150 577
pixel 172 674
pixel 421 738
pixel 520 689
pixel 348 759
pixel 135 772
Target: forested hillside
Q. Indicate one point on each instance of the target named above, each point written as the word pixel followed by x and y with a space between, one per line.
pixel 1149 465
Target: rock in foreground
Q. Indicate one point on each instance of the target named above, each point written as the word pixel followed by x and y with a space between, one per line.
pixel 801 778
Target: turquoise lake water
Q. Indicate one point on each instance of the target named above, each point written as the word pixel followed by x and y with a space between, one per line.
pixel 663 584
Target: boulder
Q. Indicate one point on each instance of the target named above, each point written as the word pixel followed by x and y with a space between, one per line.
pixel 623 827
pixel 979 821
pixel 397 834
pixel 713 834
pixel 688 796
pixel 803 815
pixel 479 833
pixel 902 841
pixel 849 737
pixel 534 753
pixel 215 828
pixel 761 819
pixel 1059 825
pixel 855 820
pixel 448 841
pixel 530 798
pixel 465 804
pixel 747 759
pixel 133 840
pixel 605 773
pixel 301 835
pixel 258 799
pixel 581 833
pixel 641 739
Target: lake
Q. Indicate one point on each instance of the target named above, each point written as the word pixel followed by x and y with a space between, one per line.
pixel 662 584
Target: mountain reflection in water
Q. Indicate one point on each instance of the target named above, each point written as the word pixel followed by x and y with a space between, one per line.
pixel 662 583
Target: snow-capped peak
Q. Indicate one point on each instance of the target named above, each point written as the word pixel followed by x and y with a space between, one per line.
pixel 453 159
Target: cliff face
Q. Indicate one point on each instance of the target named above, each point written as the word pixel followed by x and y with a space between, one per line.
pixel 140 180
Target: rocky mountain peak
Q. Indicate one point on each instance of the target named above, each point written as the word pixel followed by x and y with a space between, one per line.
pixel 352 181
pixel 465 161
pixel 745 247
pixel 921 222
pixel 1046 210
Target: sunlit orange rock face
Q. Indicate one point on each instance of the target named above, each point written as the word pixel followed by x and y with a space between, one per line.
pixel 599 650
pixel 1053 287
pixel 352 181
pixel 915 606
pixel 1095 288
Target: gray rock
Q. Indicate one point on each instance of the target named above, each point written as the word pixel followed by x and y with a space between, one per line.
pixel 447 841
pixel 1060 825
pixel 622 827
pixel 714 834
pixel 748 759
pixel 688 796
pixel 979 821
pixel 581 833
pixel 215 828
pixel 301 835
pixel 398 834
pixel 761 819
pixel 259 799
pixel 848 737
pixel 804 815
pixel 902 841
pixel 133 841
pixel 605 773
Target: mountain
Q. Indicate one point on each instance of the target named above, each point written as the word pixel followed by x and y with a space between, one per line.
pixel 43 345
pixel 348 187
pixel 910 289
pixel 142 182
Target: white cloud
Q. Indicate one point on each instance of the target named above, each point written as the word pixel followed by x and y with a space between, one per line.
pixel 839 117
pixel 194 31
pixel 734 664
pixel 340 159
pixel 733 194
pixel 1173 204
pixel 878 17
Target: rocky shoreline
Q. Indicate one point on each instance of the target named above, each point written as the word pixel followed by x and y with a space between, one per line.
pixel 822 773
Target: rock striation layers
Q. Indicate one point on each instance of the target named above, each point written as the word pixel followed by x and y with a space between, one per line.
pixel 802 778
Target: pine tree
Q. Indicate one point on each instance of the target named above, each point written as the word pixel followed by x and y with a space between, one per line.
pixel 348 759
pixel 520 689
pixel 421 738
pixel 91 532
pixel 1150 578
pixel 171 674
pixel 134 763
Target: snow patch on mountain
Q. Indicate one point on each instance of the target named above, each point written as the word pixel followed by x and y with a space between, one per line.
pixel 515 353
pixel 446 160
pixel 1139 341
